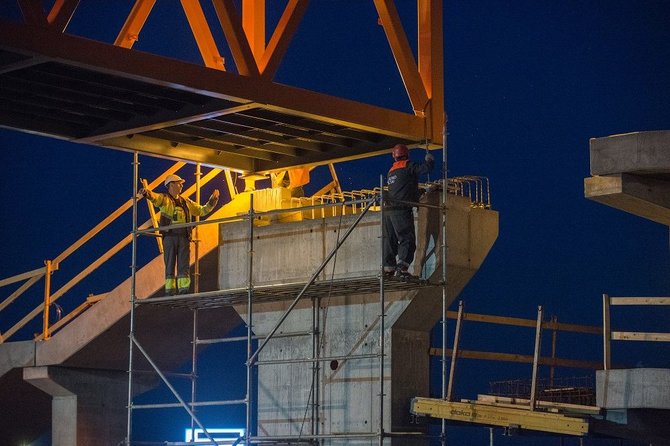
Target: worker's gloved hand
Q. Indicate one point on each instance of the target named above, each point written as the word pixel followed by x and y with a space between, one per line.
pixel 141 193
pixel 429 157
pixel 215 197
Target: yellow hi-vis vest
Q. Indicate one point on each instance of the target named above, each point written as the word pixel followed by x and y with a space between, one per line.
pixel 180 209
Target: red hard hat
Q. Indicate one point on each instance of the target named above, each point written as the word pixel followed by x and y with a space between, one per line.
pixel 400 151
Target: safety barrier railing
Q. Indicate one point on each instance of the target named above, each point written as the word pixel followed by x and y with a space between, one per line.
pixel 609 335
pixel 539 324
pixel 32 277
pixel 477 189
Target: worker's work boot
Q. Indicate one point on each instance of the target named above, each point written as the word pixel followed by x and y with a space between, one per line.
pixel 403 273
pixel 170 286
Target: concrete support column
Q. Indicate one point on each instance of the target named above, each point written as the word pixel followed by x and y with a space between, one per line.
pixel 88 406
pixel 410 367
pixel 64 420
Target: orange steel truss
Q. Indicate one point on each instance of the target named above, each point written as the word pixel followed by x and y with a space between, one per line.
pixel 114 96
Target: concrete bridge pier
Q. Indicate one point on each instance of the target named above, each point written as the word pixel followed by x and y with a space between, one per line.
pixel 340 397
pixel 88 406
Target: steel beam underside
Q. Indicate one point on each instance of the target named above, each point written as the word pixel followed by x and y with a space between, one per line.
pixel 89 92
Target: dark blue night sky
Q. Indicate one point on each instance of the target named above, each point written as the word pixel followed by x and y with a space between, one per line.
pixel 527 83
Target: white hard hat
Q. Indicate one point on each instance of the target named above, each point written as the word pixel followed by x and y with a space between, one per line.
pixel 173 178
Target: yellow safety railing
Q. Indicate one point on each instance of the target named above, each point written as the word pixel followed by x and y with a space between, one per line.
pixel 32 277
pixel 475 188
pixel 316 206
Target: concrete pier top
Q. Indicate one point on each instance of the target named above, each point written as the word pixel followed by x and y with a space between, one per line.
pixel 633 388
pixel 637 152
pixel 631 172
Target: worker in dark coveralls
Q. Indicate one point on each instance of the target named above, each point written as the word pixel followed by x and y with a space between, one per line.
pixel 175 209
pixel 403 186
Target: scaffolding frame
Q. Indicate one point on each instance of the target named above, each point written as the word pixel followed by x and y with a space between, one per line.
pixel 252 355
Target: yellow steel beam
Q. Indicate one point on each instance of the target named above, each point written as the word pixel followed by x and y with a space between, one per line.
pixel 236 38
pixel 134 22
pixel 281 37
pixel 203 35
pixel 165 149
pixel 402 52
pixel 431 63
pixel 326 189
pixel 253 22
pixel 61 13
pixel 489 415
pixel 230 184
pixel 336 180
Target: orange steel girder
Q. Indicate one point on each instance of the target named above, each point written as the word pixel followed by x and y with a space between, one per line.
pixel 251 92
pixel 253 22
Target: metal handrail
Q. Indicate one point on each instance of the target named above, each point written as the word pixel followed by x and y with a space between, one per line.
pixel 475 188
pixel 53 265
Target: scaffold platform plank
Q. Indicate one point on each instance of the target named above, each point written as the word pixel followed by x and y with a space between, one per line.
pixel 288 291
pixel 503 416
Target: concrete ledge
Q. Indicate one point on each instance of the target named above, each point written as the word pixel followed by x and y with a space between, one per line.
pixel 642 196
pixel 633 389
pixel 16 354
pixel 638 152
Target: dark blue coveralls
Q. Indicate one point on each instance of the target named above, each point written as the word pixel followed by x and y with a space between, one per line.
pixel 400 240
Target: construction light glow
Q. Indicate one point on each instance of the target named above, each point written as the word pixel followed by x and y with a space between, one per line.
pixel 229 435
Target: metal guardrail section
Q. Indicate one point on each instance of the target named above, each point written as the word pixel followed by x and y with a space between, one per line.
pixel 32 277
pixel 271 293
pixel 475 188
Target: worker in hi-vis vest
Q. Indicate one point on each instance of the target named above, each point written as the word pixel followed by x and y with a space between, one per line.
pixel 175 209
pixel 403 191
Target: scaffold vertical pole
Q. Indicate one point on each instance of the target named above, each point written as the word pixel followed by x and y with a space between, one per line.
pixel 250 294
pixel 443 254
pixel 381 314
pixel 196 289
pixel 47 299
pixel 133 269
pixel 316 305
pixel 196 234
